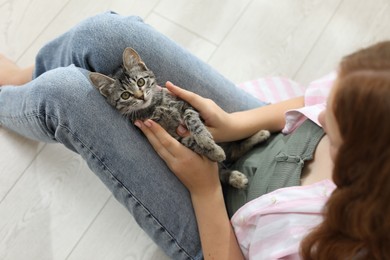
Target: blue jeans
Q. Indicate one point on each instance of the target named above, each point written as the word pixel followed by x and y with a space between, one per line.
pixel 61 105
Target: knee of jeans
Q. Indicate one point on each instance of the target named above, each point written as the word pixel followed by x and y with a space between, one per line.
pixel 61 91
pixel 103 38
pixel 108 22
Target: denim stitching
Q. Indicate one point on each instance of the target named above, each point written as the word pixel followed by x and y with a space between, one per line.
pixel 107 169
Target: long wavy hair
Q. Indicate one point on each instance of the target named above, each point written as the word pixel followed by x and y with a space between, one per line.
pixel 357 215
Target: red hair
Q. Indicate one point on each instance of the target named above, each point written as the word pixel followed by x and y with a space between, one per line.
pixel 357 215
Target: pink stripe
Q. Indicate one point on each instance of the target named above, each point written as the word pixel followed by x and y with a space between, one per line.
pixel 258 90
pixel 250 88
pixel 272 89
pixel 298 90
pixel 313 100
pixel 258 247
pixel 271 84
pixel 289 88
pixel 275 89
pixel 294 89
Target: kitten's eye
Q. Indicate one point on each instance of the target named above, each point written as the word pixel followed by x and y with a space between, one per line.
pixel 125 95
pixel 141 82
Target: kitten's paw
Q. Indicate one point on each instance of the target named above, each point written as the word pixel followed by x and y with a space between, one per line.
pixel 238 180
pixel 261 136
pixel 217 154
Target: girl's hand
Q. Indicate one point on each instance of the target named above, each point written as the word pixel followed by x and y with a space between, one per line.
pixel 200 176
pixel 215 118
pixel 238 125
pixel 196 172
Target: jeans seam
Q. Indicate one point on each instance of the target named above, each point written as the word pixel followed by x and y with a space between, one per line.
pixel 106 168
pixel 25 118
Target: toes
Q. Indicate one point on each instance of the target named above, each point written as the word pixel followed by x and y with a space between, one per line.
pixel 238 180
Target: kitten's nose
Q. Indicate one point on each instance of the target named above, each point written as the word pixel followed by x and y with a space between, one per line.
pixel 139 95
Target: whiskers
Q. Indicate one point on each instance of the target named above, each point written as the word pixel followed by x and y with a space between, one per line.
pixel 136 109
pixel 132 115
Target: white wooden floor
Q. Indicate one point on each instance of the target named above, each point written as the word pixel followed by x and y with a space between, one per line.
pixel 52 206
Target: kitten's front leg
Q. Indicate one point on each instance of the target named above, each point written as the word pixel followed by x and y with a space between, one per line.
pixel 202 140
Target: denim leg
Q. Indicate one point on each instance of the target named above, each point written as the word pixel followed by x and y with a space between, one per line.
pixel 97 44
pixel 60 105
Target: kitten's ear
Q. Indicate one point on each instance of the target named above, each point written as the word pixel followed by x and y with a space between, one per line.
pixel 102 82
pixel 131 59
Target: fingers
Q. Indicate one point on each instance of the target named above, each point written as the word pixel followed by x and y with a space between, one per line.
pixel 182 131
pixel 164 144
pixel 192 98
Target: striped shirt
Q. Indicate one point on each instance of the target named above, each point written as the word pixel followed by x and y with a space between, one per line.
pixel 276 89
pixel 273 225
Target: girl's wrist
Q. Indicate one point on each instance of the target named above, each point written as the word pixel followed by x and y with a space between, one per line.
pixel 206 194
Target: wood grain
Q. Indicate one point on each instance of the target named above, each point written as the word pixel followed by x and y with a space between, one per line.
pixel 272 38
pixel 16 154
pixel 54 203
pixel 352 27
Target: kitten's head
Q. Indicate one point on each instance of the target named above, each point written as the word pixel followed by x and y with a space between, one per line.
pixel 131 88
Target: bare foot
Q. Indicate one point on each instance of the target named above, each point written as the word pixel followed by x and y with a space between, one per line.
pixel 12 74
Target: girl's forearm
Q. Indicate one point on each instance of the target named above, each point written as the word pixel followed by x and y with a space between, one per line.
pixel 270 117
pixel 216 233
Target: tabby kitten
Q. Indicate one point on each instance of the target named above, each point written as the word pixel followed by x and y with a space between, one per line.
pixel 133 91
